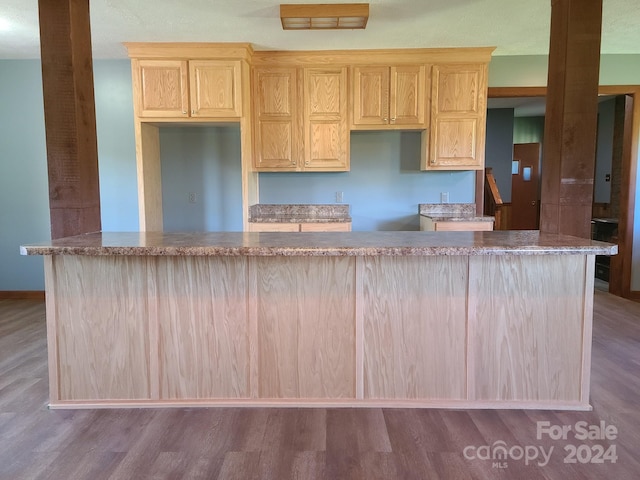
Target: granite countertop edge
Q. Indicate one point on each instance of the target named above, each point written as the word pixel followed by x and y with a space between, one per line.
pixel 298 219
pixel 320 244
pixel 299 213
pixel 458 218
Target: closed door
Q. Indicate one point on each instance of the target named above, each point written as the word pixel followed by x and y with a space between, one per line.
pixel 525 187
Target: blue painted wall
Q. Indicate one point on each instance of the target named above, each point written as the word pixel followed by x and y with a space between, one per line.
pixel 604 151
pixel 24 214
pixel 499 148
pixel 116 146
pixel 383 188
pixel 24 198
pixel 204 161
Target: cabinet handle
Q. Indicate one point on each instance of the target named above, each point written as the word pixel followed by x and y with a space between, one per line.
pixel 184 112
pixel 385 119
pixel 193 112
pixel 393 119
pixel 307 162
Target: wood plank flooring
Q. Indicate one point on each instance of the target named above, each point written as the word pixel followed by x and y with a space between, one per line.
pixel 279 444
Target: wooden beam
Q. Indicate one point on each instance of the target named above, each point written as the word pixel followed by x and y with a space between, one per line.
pixel 69 113
pixel 621 264
pixel 571 117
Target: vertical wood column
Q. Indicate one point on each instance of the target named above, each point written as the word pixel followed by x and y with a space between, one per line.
pixel 69 113
pixel 571 117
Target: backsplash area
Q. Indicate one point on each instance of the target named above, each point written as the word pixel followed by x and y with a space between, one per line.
pixel 383 188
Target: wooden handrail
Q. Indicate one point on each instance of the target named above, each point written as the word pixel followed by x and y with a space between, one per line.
pixel 492 200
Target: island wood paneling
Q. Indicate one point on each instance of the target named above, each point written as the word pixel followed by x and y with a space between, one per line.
pixel 100 313
pixel 306 331
pixel 414 327
pixel 526 316
pixel 203 331
pixel 444 331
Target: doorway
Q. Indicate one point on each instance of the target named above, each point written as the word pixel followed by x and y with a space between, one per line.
pixel 525 186
pixel 621 274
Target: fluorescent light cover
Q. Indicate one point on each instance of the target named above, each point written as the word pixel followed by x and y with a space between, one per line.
pixel 324 16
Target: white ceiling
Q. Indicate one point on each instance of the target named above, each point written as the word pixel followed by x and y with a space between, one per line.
pixel 515 27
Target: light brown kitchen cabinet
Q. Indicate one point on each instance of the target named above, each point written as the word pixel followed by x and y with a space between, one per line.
pixel 187 88
pixel 326 128
pixel 434 225
pixel 277 123
pixel 300 117
pixel 215 88
pixel 389 97
pixel 326 227
pixel 274 227
pixel 458 116
pixel 160 88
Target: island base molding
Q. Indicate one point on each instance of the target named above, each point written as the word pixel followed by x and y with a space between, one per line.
pixel 448 331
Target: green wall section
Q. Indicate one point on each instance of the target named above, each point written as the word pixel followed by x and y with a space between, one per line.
pixel 532 70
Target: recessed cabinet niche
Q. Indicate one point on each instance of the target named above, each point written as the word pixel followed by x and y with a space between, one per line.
pixel 187 88
pixel 300 119
pixel 389 97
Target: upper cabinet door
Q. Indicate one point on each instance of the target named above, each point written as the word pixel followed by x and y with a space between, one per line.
pixel 277 137
pixel 458 116
pixel 389 97
pixel 326 140
pixel 161 88
pixel 408 90
pixel 215 88
pixel 371 95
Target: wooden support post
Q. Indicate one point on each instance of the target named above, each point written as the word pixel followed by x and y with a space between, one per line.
pixel 571 117
pixel 69 113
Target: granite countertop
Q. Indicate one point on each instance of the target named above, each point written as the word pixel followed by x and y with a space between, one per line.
pixel 299 213
pixel 528 242
pixel 452 212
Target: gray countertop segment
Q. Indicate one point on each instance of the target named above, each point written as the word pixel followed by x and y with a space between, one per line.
pixel 527 242
pixel 299 213
pixel 452 212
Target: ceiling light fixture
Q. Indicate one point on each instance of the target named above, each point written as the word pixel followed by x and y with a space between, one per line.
pixel 324 16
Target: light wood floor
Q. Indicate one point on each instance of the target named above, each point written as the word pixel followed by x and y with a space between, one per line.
pixel 251 443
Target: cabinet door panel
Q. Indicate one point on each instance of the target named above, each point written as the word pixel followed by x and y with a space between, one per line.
pixel 325 148
pixel 275 93
pixel 162 88
pixel 275 148
pixel 215 88
pixel 325 118
pixel 458 117
pixel 407 104
pixel 371 95
pixel 324 93
pixel 277 136
pixel 458 91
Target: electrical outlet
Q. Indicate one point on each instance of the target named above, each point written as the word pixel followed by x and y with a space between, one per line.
pixel 339 197
pixel 193 197
pixel 444 197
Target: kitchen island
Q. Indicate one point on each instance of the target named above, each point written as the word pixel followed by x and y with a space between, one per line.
pixel 398 319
